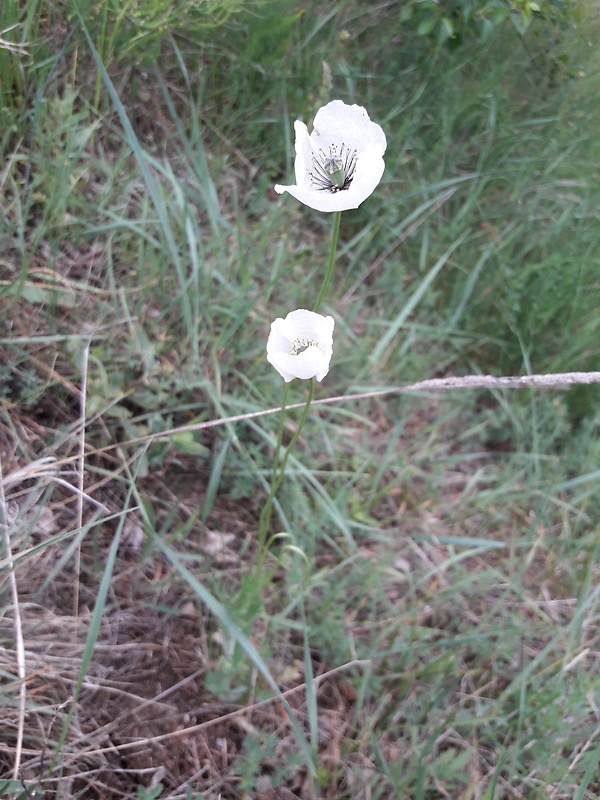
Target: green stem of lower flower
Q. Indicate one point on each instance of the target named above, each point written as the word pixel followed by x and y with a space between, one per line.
pixel 294 439
pixel 278 473
pixel 265 514
pixel 337 216
pixel 286 392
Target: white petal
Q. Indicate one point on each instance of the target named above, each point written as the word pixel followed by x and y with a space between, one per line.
pixel 304 324
pixel 336 124
pixel 274 360
pixel 347 198
pixel 309 364
pixel 319 200
pixel 278 341
pixel 369 169
pixel 307 326
pixel 303 147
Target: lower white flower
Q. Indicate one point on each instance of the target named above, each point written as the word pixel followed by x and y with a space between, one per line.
pixel 340 163
pixel 301 345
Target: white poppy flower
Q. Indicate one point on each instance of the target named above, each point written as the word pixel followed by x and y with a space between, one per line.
pixel 341 162
pixel 301 345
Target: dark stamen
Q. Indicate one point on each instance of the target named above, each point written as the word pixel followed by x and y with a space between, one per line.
pixel 333 172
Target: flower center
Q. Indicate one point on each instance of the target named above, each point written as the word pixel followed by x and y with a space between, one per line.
pixel 333 172
pixel 300 345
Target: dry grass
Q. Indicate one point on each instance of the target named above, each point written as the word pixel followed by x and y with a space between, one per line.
pixel 434 629
pixel 144 714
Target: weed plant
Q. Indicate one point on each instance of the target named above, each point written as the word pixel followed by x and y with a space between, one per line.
pixel 430 626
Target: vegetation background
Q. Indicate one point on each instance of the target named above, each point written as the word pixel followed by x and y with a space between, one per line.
pixel 431 598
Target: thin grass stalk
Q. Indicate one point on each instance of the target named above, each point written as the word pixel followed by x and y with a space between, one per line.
pixel 277 476
pixel 153 188
pixel 19 644
pixel 93 631
pixel 81 471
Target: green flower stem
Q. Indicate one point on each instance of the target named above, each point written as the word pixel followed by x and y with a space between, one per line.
pixel 334 238
pixel 286 392
pixel 278 472
pixel 277 475
pixel 294 439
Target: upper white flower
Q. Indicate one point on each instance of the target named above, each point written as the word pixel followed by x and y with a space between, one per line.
pixel 341 162
pixel 301 345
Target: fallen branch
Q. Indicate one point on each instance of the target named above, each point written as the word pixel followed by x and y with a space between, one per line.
pixel 559 380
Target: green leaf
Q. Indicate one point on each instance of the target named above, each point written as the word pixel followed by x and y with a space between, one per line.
pixel 499 15
pixel 186 443
pixel 445 30
pixel 519 23
pixel 425 27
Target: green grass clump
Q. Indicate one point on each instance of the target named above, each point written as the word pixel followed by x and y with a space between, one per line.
pixel 425 624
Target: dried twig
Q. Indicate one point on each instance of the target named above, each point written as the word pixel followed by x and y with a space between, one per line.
pixel 19 48
pixel 560 380
pixel 202 726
